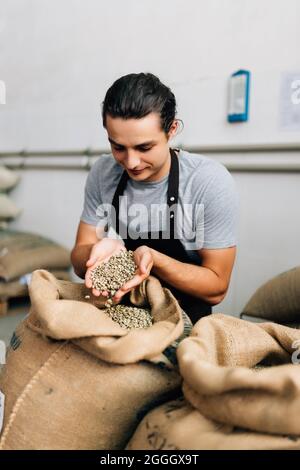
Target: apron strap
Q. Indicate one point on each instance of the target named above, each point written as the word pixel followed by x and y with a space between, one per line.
pixel 172 195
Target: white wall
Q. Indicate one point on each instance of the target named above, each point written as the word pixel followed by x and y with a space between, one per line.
pixel 57 59
pixel 269 233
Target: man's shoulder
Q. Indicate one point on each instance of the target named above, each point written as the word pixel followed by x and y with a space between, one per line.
pixel 106 169
pixel 105 162
pixel 201 168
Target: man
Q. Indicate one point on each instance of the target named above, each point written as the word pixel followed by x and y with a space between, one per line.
pixel 139 115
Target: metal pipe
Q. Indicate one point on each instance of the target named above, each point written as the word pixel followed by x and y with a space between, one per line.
pixel 283 158
pixel 226 148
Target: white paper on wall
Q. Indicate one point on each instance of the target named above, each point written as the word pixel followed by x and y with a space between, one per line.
pixel 290 101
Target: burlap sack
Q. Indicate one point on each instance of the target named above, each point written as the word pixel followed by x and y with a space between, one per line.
pixel 217 361
pixel 8 178
pixel 278 299
pixel 22 253
pixel 90 385
pixel 15 289
pixel 8 209
pixel 3 224
pixel 176 425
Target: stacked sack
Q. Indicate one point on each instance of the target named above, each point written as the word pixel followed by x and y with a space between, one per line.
pixel 21 252
pixel 277 300
pixel 227 384
pixel 8 209
pixel 241 380
pixel 75 379
pixel 241 390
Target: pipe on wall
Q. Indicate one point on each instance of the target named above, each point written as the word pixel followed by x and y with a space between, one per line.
pixel 240 158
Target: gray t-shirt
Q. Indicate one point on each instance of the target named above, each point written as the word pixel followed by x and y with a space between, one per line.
pixel 208 202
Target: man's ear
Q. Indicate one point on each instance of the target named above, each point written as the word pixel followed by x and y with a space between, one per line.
pixel 173 129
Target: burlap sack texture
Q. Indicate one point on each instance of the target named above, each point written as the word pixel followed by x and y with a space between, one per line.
pixel 23 252
pixel 14 289
pixel 278 299
pixel 74 379
pixel 241 390
pixel 8 209
pixel 8 178
pixel 243 374
pixel 177 425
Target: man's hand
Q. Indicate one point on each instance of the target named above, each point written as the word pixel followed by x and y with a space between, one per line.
pixel 143 258
pixel 100 253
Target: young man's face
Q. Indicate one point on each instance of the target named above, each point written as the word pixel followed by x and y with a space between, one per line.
pixel 140 146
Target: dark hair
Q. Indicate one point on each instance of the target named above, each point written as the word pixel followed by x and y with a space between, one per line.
pixel 138 94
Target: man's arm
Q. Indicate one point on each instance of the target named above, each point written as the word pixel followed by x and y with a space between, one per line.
pixel 85 240
pixel 209 282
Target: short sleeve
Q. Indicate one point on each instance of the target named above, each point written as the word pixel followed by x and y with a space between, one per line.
pixel 217 221
pixel 92 196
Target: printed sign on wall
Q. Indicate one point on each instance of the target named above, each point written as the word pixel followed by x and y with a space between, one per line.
pixel 290 101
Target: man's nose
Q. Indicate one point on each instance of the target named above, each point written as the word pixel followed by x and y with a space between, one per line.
pixel 132 160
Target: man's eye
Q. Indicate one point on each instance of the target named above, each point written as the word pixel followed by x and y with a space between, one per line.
pixel 142 149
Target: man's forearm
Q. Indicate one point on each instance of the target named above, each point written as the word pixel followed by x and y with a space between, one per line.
pixel 196 280
pixel 79 256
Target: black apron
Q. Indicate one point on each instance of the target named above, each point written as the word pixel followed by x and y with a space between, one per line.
pixel 170 246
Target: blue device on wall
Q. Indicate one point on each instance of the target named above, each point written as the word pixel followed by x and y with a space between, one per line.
pixel 238 103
